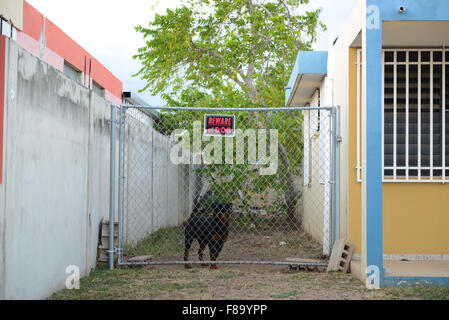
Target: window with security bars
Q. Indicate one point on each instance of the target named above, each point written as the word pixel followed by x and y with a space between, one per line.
pixel 415 117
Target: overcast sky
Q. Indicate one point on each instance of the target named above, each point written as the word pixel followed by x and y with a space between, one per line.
pixel 105 28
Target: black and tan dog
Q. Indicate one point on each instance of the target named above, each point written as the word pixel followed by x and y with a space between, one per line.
pixel 212 232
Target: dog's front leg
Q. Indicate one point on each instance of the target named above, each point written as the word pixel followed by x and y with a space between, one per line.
pixel 201 252
pixel 186 252
pixel 213 254
pixel 186 258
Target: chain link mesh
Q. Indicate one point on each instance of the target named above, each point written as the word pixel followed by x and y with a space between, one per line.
pixel 262 195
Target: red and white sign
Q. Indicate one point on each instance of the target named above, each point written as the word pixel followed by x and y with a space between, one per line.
pixel 219 125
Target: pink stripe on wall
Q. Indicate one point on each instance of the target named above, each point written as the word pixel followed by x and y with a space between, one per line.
pixel 54 60
pixel 112 98
pixel 61 46
pixel 28 43
pixel 32 46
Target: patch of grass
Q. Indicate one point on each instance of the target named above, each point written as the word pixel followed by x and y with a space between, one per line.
pixel 104 284
pixel 260 285
pixel 227 276
pixel 426 293
pixel 285 295
pixel 166 241
pixel 170 286
pixel 193 271
pixel 354 280
pixel 159 286
pixel 304 276
pixel 180 286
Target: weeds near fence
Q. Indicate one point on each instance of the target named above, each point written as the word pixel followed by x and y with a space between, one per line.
pixel 166 241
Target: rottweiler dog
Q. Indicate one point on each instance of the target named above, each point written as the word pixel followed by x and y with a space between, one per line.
pixel 212 232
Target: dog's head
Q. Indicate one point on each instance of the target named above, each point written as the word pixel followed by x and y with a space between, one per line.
pixel 221 211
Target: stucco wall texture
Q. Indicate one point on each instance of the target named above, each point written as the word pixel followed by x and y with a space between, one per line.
pixel 56 176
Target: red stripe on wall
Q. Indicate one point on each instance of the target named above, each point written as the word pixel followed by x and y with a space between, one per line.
pixel 60 43
pixel 64 46
pixel 33 21
pixel 2 99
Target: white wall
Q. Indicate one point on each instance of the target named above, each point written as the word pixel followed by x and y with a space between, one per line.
pixel 56 180
pixel 316 193
pixel 56 177
pixel 157 191
pixel 340 66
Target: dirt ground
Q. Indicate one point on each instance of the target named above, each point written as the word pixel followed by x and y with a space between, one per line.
pixel 233 282
pixel 273 245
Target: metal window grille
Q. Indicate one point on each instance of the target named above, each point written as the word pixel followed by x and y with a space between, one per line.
pixel 414 112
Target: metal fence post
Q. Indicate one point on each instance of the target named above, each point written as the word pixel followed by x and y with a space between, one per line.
pixel 112 188
pixel 121 189
pixel 337 171
pixel 336 140
pixel 332 166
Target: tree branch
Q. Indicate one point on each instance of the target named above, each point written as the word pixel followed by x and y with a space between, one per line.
pixel 286 8
pixel 218 56
pixel 264 8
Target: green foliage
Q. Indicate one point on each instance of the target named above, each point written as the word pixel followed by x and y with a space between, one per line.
pixel 231 53
pixel 228 179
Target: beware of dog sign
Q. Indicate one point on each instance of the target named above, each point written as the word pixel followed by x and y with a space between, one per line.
pixel 219 125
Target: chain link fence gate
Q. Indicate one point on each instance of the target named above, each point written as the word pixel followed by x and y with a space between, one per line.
pixel 226 186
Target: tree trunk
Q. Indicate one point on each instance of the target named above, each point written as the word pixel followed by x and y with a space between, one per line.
pixel 291 195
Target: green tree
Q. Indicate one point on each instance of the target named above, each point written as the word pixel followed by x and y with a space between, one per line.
pixel 229 53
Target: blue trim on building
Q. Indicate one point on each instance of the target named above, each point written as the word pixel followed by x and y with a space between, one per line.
pixel 374 195
pixel 398 281
pixel 432 10
pixel 415 10
pixel 307 62
pixel 312 62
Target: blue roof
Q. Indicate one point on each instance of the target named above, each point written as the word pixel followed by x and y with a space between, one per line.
pixel 307 63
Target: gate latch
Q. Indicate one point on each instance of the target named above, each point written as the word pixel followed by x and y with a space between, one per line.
pixel 339 139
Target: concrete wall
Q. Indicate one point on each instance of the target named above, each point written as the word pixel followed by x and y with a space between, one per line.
pixel 313 195
pixel 157 192
pixel 56 177
pixel 139 179
pixel 317 189
pixel 341 89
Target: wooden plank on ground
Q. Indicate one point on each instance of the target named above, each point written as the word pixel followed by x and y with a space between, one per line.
pixel 140 259
pixel 305 261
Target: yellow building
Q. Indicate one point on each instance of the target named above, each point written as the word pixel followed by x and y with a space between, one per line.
pixel 387 72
